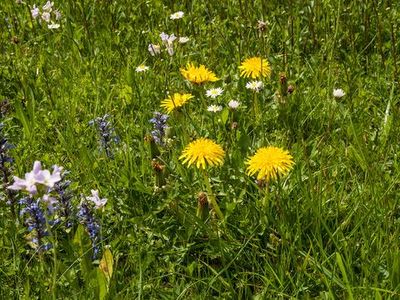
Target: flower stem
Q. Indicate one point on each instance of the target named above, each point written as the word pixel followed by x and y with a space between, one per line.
pixel 265 196
pixel 215 130
pixel 211 197
pixel 255 107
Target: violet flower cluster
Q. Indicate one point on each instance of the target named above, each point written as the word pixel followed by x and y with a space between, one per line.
pixel 159 122
pixel 49 202
pixel 38 183
pixel 65 208
pixel 48 14
pixel 87 219
pixel 106 133
pixel 86 216
pixel 36 222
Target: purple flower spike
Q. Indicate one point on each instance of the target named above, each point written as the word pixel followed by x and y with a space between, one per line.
pixel 86 218
pixel 160 125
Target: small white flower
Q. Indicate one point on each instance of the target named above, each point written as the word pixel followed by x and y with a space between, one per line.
pixel 98 203
pixel 255 85
pixel 214 93
pixel 338 93
pixel 177 15
pixel 53 26
pixel 142 68
pixel 183 40
pixel 46 17
pixel 233 104
pixel 48 7
pixel 214 108
pixel 154 49
pixel 35 12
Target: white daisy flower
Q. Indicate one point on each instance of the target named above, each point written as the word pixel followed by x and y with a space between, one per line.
pixel 255 85
pixel 233 104
pixel 338 93
pixel 183 40
pixel 214 108
pixel 142 68
pixel 53 26
pixel 177 15
pixel 214 93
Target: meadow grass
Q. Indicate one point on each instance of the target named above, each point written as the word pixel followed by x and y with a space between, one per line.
pixel 328 230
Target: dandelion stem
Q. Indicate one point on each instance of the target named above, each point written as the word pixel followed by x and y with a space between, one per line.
pixel 215 130
pixel 211 196
pixel 265 198
pixel 256 107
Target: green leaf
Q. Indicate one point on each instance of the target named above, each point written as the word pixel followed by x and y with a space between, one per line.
pixel 103 284
pixel 224 116
pixel 344 274
pixel 82 243
pixel 244 142
pixel 106 264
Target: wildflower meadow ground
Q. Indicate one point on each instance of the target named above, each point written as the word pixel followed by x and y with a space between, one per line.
pixel 199 149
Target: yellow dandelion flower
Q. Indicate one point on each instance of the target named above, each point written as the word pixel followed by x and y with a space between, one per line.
pixel 269 162
pixel 255 67
pixel 198 75
pixel 203 152
pixel 175 101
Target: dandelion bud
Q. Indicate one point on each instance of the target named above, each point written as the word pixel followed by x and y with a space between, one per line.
pixel 202 206
pixel 290 89
pixel 261 183
pixel 283 82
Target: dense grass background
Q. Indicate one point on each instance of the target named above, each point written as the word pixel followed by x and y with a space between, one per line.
pixel 331 228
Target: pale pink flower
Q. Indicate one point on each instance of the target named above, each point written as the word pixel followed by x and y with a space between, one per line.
pixel 98 202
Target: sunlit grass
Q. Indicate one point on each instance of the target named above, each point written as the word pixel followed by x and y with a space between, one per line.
pixel 326 228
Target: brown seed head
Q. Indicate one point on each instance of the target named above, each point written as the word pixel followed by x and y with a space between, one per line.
pixel 261 25
pixel 148 138
pixel 282 78
pixel 15 40
pixel 157 166
pixel 202 199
